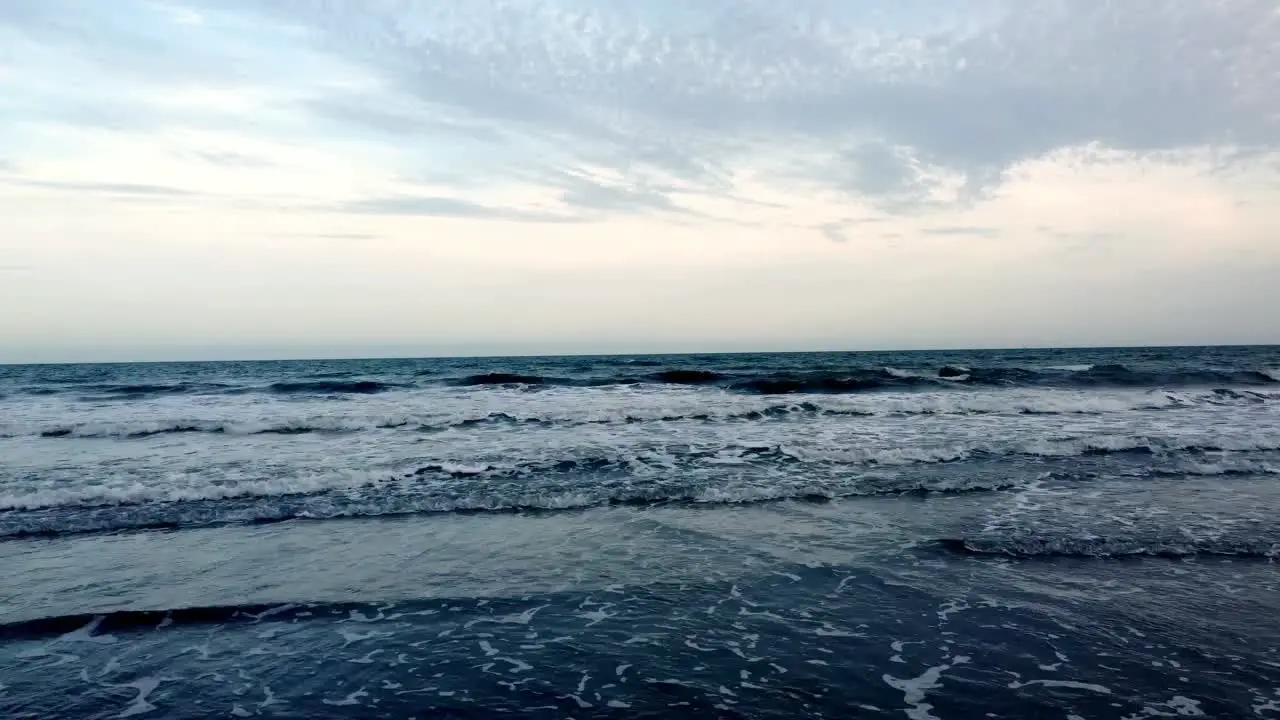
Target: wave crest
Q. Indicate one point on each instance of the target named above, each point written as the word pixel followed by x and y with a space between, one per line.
pixel 255 504
pixel 331 387
pixel 1031 548
pixel 502 379
pixel 125 621
pixel 762 382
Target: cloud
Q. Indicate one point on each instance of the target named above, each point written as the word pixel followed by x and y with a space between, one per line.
pixel 230 159
pixel 833 232
pixel 569 156
pixel 1014 83
pixel 839 230
pixel 962 230
pixel 879 170
pixel 583 192
pixel 340 236
pixel 401 117
pixel 447 207
pixel 908 110
pixel 109 188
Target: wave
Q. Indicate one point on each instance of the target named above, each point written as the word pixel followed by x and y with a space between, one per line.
pixel 166 514
pixel 1030 548
pixel 687 377
pixel 356 423
pixel 126 621
pixel 1085 377
pixel 1113 375
pixel 740 473
pixel 137 430
pixel 851 381
pixel 938 404
pixel 332 387
pixel 826 383
pixel 505 379
pixel 142 389
pixel 314 385
pixel 83 626
pixel 139 391
pixel 133 433
pixel 1206 470
pixel 355 418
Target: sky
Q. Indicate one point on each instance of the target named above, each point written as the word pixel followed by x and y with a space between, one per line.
pixel 212 179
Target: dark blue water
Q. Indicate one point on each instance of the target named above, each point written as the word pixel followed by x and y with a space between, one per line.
pixel 1058 533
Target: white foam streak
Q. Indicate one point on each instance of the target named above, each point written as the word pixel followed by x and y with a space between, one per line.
pixel 914 690
pixel 1100 689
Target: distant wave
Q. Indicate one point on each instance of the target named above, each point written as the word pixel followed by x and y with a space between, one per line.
pixel 340 424
pixel 506 379
pixel 314 385
pixel 950 377
pixel 854 380
pixel 1030 548
pixel 962 404
pixel 686 377
pixel 331 387
pixel 137 430
pixel 143 391
pixel 146 389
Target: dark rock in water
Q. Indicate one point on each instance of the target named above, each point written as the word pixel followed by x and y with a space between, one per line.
pixel 951 371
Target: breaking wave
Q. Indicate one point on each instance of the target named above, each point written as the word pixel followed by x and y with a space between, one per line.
pixel 353 419
pixel 853 380
pixel 734 474
pixel 231 506
pixel 331 387
pixel 138 391
pixel 506 379
pixel 1030 548
pixel 866 380
pixel 100 625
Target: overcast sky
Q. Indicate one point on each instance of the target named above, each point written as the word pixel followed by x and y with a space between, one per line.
pixel 275 178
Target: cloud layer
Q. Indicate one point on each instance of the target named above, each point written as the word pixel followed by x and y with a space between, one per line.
pixel 529 147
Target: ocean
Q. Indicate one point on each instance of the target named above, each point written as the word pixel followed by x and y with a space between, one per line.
pixel 978 534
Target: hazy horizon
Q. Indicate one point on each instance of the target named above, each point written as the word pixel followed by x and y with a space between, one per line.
pixel 186 179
